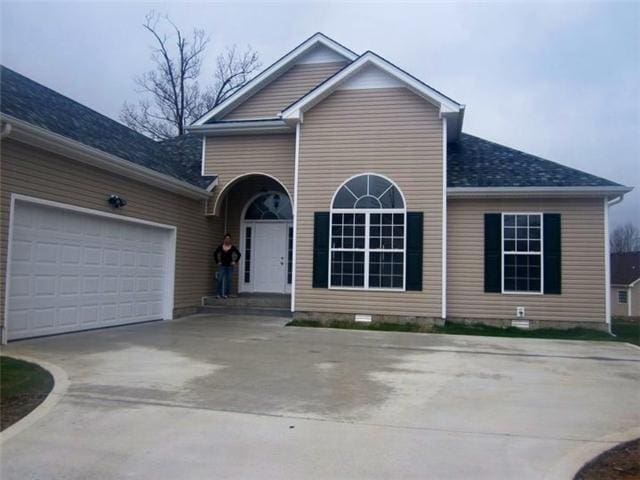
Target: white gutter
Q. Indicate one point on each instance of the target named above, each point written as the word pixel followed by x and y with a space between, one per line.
pixel 475 192
pixel 6 130
pixel 242 127
pixel 36 136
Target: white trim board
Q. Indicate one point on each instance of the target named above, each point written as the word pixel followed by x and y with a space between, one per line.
pixel 39 137
pixel 478 192
pixel 294 261
pixel 273 71
pixel 171 248
pixel 443 313
pixel 607 267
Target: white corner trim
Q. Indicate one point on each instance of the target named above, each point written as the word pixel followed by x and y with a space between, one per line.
pixel 369 59
pixel 294 262
pixel 607 266
pixel 39 137
pixel 171 248
pixel 444 219
pixel 203 158
pixel 276 68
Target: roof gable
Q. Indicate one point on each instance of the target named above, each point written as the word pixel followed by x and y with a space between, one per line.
pixel 308 51
pixel 369 68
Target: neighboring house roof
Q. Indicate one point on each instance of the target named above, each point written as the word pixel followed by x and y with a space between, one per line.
pixel 625 268
pixel 473 162
pixel 24 99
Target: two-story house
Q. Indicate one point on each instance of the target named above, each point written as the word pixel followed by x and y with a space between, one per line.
pixel 347 184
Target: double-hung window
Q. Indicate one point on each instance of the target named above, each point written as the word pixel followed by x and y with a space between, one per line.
pixel 368 235
pixel 522 252
pixel 623 297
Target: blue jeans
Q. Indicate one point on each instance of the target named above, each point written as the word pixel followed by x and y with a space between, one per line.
pixel 224 280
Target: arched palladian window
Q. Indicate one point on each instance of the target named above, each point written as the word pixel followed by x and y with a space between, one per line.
pixel 368 234
pixel 270 206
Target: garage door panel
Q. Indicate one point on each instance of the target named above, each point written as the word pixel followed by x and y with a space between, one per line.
pixel 72 271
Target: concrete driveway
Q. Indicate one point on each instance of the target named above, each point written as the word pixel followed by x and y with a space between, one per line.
pixel 206 397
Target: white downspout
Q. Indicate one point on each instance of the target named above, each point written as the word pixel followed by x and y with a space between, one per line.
pixel 607 267
pixel 443 313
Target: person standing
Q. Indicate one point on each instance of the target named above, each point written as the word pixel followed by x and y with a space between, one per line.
pixel 225 256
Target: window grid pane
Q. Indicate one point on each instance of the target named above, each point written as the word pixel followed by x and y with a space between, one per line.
pixel 522 244
pixel 622 296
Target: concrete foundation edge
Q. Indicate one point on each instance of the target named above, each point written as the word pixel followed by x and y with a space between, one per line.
pixel 328 317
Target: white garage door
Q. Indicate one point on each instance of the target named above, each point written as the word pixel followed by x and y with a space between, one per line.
pixel 74 271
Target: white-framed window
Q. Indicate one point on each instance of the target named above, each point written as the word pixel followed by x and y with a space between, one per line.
pixel 248 249
pixel 623 296
pixel 522 267
pixel 368 234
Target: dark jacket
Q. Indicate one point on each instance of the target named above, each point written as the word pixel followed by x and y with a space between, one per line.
pixel 226 258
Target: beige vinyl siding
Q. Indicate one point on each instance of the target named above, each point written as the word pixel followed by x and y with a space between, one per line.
pixel 583 277
pixel 388 131
pixel 230 157
pixel 30 171
pixel 284 90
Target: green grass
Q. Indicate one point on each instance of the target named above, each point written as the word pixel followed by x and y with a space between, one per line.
pixel 625 332
pixel 23 386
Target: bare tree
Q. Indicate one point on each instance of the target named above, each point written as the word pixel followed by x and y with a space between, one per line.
pixel 625 238
pixel 172 97
pixel 233 70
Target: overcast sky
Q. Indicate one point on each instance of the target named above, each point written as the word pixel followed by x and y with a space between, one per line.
pixel 559 80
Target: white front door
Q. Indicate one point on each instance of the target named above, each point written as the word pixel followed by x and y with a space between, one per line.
pixel 270 257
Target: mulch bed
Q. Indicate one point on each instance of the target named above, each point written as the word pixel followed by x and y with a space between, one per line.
pixel 619 463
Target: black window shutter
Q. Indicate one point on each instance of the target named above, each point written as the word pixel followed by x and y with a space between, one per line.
pixel 321 250
pixel 413 280
pixel 492 252
pixel 552 258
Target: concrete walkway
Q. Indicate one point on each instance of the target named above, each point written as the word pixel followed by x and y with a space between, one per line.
pixel 215 397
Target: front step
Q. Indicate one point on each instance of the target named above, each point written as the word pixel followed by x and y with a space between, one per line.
pixel 260 300
pixel 247 311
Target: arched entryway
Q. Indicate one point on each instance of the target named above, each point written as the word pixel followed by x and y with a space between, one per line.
pixel 266 239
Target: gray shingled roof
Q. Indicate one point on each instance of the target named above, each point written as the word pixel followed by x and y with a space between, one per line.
pixel 471 161
pixel 475 162
pixel 38 105
pixel 625 268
